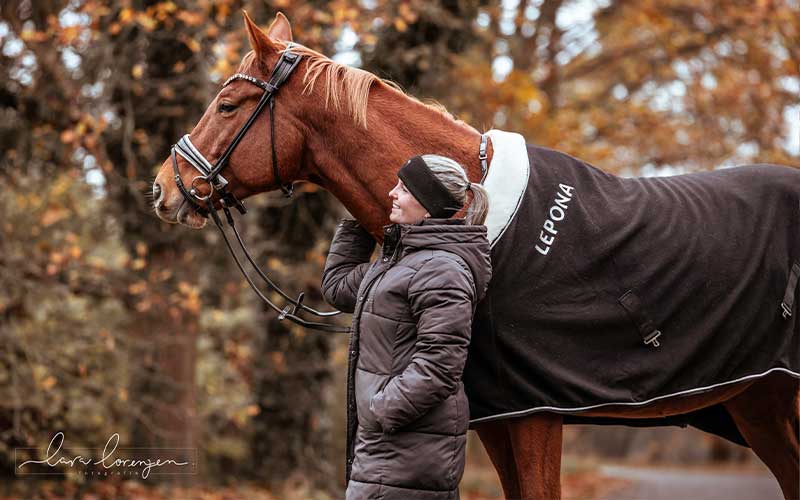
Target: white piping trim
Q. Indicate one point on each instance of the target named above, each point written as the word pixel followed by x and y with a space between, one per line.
pixel 687 392
pixel 506 181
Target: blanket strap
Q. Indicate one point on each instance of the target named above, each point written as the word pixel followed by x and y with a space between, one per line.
pixel 647 329
pixel 788 296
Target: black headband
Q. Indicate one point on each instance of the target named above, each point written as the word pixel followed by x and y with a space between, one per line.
pixel 428 189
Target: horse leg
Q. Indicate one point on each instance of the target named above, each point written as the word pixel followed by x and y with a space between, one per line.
pixel 536 440
pixel 768 415
pixel 526 452
pixel 497 442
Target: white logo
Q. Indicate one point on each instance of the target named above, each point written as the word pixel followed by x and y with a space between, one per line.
pixel 557 213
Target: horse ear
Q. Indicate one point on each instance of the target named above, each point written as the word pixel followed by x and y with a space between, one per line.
pixel 280 29
pixel 259 40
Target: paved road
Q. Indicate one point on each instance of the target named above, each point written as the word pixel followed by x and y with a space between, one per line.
pixel 687 484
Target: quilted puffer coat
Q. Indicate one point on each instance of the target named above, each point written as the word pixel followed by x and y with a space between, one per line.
pixel 412 316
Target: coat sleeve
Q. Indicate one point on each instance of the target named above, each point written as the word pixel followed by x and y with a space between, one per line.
pixel 346 264
pixel 441 296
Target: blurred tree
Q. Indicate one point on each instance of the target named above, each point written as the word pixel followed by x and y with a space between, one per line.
pixel 150 59
pixel 59 283
pixel 642 85
pixel 622 85
pixel 112 85
pixel 415 42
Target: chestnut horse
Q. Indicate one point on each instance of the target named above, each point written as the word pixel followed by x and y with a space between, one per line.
pixel 348 131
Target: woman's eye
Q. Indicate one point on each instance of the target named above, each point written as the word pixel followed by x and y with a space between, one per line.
pixel 226 108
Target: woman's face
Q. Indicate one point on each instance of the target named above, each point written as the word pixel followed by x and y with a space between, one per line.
pixel 405 208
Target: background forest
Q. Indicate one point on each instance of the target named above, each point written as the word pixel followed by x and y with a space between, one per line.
pixel 113 322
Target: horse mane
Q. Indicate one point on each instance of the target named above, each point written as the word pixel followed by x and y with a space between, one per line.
pixel 348 87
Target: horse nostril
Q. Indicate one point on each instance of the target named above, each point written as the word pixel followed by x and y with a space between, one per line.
pixel 156 192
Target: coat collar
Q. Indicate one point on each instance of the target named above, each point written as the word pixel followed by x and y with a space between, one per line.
pixel 404 228
pixel 396 232
pixel 452 235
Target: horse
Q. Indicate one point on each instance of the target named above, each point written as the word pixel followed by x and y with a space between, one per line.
pixel 347 131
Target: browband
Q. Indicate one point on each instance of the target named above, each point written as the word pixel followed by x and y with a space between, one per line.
pixel 428 189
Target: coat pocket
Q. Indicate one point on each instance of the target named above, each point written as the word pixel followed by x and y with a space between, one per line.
pixel 638 315
pixel 367 385
pixel 787 304
pixel 451 416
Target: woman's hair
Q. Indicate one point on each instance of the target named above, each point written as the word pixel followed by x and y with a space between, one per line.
pixel 452 175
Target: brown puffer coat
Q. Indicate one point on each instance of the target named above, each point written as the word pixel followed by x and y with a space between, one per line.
pixel 412 315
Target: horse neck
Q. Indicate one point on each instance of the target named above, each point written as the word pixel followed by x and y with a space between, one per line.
pixel 359 166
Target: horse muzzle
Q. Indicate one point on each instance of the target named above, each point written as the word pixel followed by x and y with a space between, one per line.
pixel 171 207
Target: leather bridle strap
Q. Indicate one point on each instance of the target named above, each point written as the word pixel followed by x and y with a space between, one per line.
pixel 211 174
pixel 288 312
pixel 283 69
pixel 482 156
pixel 193 156
pixel 187 197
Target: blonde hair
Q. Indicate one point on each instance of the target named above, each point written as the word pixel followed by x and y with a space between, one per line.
pixel 452 175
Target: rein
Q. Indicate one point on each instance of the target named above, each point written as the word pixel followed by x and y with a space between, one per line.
pixel 211 175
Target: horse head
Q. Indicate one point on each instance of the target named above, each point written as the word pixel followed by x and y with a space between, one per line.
pixel 225 116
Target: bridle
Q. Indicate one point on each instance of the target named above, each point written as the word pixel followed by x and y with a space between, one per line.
pixel 211 175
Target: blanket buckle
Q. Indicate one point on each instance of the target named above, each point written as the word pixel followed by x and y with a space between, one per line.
pixel 786 311
pixel 652 339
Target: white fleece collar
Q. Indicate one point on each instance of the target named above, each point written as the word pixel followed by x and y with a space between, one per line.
pixel 506 180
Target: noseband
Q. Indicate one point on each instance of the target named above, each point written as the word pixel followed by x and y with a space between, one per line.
pixel 211 176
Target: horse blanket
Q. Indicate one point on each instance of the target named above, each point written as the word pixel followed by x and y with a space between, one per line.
pixel 622 291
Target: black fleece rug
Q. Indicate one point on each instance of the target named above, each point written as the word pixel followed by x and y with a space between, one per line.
pixel 610 290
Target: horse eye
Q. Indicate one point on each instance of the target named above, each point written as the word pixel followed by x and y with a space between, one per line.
pixel 226 108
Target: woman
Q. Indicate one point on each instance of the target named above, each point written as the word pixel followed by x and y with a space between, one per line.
pixel 412 313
